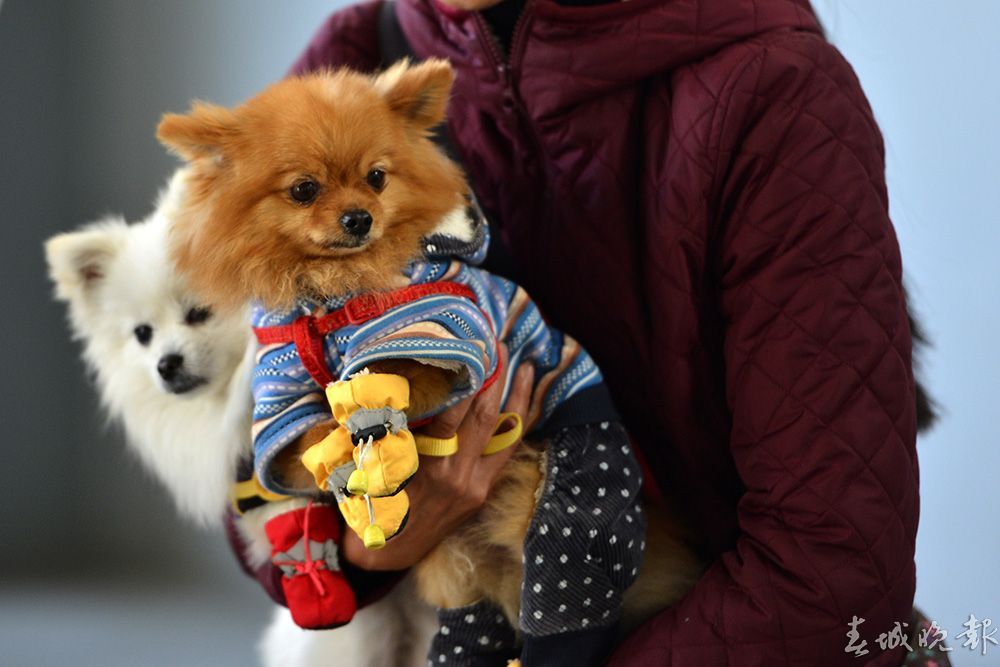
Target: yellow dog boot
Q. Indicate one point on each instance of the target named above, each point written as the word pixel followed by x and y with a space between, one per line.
pixel 375 520
pixel 331 460
pixel 368 390
pixel 370 411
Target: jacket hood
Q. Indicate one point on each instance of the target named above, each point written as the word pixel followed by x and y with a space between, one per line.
pixel 604 47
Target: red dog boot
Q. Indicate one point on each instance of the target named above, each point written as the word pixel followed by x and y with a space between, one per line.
pixel 304 544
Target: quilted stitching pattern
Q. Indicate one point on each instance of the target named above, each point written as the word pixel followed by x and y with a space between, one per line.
pixel 710 169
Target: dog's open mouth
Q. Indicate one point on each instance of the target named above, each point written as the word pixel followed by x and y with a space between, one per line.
pixel 182 384
pixel 348 244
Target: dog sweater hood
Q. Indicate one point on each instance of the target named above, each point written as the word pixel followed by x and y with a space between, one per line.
pixel 447 330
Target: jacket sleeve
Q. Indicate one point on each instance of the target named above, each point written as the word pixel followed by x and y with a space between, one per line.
pixel 287 403
pixel 818 380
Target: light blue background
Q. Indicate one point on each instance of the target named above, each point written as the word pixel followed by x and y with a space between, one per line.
pixel 97 570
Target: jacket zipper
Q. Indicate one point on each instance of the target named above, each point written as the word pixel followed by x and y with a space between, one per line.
pixel 507 68
pixel 491 45
pixel 517 37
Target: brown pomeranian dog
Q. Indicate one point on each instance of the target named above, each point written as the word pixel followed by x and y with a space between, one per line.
pixel 328 185
pixel 277 178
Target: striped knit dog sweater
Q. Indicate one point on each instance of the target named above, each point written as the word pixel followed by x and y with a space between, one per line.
pixel 449 330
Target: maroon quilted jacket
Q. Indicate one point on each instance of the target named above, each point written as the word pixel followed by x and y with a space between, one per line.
pixel 694 189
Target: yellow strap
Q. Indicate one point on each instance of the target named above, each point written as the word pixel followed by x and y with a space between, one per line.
pixel 429 446
pixel 501 441
pixel 252 487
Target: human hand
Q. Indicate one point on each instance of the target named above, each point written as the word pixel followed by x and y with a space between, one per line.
pixel 447 490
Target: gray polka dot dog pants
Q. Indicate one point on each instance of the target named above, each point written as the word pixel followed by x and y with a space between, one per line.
pixel 583 549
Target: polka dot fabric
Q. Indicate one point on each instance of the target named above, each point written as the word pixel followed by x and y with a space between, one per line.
pixel 472 636
pixel 585 544
pixel 583 549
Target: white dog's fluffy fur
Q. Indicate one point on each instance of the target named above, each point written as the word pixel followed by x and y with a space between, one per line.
pixel 191 431
pixel 116 277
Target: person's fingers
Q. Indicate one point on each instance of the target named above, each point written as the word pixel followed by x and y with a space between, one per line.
pixel 445 424
pixel 469 417
pixel 479 424
pixel 521 389
pixel 488 468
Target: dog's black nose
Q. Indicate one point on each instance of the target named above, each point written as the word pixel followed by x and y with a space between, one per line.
pixel 356 222
pixel 168 366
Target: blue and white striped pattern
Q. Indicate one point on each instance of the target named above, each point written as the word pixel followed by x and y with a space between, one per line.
pixel 441 330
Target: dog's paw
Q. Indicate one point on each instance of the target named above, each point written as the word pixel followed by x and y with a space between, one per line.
pixel 370 409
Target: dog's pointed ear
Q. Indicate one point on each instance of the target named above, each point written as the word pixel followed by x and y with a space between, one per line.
pixel 78 261
pixel 418 92
pixel 203 132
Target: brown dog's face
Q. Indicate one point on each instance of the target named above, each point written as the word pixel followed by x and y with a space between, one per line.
pixel 323 184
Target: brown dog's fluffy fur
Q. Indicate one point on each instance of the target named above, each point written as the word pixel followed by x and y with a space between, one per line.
pixel 242 236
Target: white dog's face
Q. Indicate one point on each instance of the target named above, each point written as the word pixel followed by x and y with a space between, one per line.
pixel 159 331
pixel 174 372
pixel 143 331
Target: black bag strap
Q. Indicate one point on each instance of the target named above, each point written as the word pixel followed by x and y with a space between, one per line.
pixel 391 40
pixel 393 47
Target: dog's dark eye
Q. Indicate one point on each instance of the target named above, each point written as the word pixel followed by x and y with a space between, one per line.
pixel 197 315
pixel 376 179
pixel 143 334
pixel 304 192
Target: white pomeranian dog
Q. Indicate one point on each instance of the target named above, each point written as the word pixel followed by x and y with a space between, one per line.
pixel 177 375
